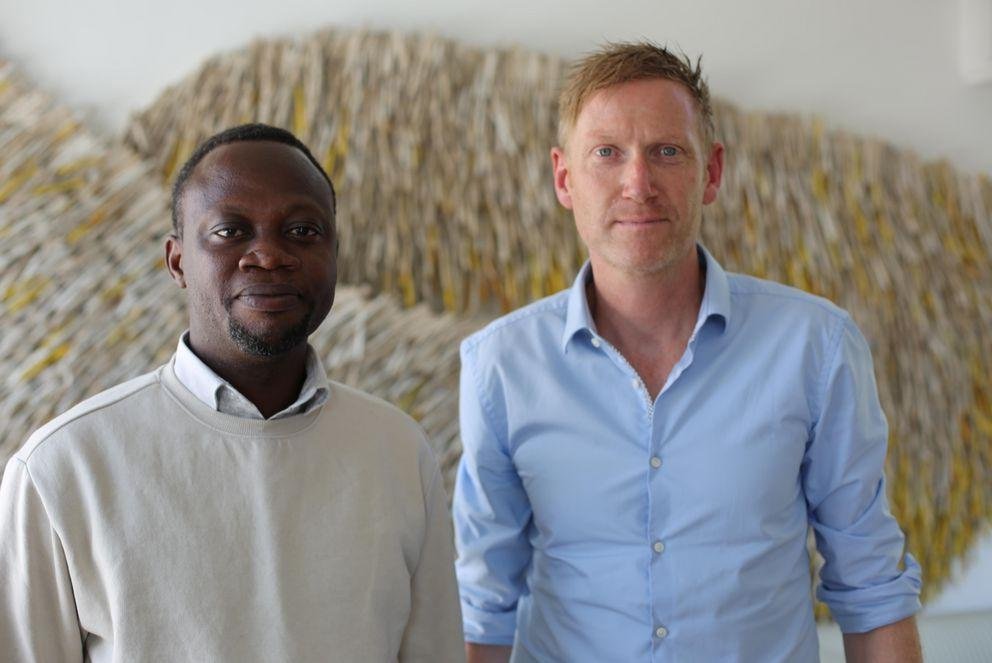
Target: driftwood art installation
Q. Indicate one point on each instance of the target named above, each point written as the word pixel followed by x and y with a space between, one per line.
pixel 440 155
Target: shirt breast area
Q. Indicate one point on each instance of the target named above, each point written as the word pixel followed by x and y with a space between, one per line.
pixel 716 459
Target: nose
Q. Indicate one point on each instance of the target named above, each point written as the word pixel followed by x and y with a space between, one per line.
pixel 638 183
pixel 269 254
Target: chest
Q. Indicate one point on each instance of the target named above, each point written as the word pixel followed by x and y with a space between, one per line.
pixel 224 538
pixel 653 368
pixel 714 455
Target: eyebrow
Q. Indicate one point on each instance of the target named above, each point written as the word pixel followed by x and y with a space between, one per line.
pixel 609 138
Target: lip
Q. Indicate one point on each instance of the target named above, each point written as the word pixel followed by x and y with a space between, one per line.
pixel 270 297
pixel 268 289
pixel 636 222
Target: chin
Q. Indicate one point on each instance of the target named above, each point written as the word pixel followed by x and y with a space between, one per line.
pixel 645 265
pixel 664 258
pixel 269 343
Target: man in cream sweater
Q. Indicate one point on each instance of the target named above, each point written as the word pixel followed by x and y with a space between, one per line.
pixel 233 505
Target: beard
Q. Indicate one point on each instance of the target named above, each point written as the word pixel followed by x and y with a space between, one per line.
pixel 259 346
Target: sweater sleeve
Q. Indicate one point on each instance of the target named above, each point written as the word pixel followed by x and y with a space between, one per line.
pixel 38 620
pixel 434 630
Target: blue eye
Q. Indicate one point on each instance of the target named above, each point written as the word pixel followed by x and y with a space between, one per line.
pixel 669 151
pixel 604 151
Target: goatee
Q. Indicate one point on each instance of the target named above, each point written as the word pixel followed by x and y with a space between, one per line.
pixel 258 346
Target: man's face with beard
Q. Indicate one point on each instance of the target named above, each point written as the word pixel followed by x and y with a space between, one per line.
pixel 257 251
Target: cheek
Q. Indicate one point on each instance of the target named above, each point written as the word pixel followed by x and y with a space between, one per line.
pixel 322 275
pixel 584 223
pixel 591 196
pixel 325 266
pixel 205 299
pixel 205 282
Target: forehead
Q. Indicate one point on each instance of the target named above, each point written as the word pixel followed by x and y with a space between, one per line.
pixel 653 104
pixel 257 174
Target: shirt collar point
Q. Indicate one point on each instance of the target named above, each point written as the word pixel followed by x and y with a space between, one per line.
pixel 577 316
pixel 716 296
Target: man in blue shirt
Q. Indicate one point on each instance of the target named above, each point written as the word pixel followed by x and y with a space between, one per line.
pixel 645 451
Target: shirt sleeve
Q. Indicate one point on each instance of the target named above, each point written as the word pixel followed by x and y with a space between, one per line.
pixel 38 619
pixel 867 580
pixel 433 630
pixel 492 515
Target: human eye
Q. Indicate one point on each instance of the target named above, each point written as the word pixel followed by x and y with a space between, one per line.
pixel 305 230
pixel 228 232
pixel 669 151
pixel 604 152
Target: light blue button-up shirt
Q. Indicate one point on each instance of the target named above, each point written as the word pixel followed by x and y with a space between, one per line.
pixel 593 524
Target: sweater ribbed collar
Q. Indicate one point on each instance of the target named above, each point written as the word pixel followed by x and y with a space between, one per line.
pixel 230 424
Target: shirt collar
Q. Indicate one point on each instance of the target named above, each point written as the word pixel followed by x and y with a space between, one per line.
pixel 715 304
pixel 577 315
pixel 219 394
pixel 716 296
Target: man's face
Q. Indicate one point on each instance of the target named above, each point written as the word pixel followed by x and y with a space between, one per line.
pixel 636 173
pixel 257 251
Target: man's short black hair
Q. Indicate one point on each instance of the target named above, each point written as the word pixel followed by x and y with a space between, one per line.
pixel 242 133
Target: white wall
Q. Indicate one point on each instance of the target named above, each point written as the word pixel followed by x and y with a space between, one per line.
pixel 882 67
pixel 887 68
pixel 970 584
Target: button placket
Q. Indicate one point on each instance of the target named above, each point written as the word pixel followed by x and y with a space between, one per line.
pixel 635 381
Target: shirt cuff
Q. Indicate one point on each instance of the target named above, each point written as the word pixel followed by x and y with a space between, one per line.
pixel 489 628
pixel 860 610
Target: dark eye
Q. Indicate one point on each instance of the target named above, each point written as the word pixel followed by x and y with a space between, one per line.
pixel 304 231
pixel 604 151
pixel 229 232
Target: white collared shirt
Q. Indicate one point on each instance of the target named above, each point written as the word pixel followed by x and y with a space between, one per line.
pixel 217 393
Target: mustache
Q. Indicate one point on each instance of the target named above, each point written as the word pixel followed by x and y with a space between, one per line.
pixel 267 289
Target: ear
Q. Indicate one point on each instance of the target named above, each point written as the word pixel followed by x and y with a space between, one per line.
pixel 714 173
pixel 560 168
pixel 174 259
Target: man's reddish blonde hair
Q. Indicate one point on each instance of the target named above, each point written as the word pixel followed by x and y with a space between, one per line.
pixel 623 62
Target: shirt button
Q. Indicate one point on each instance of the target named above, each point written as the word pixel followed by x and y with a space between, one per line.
pixel 595 342
pixel 661 632
pixel 655 462
pixel 659 547
pixel 636 383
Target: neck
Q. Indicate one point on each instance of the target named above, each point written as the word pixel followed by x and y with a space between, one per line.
pixel 270 383
pixel 649 318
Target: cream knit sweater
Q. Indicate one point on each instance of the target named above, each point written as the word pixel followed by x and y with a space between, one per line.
pixel 143 526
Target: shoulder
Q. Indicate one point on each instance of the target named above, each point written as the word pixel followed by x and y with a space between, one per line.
pixel 96 412
pixel 355 402
pixel 751 295
pixel 790 327
pixel 545 317
pixel 373 426
pixel 353 408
